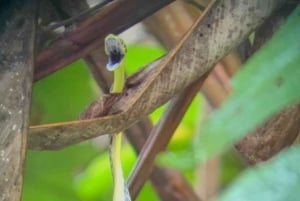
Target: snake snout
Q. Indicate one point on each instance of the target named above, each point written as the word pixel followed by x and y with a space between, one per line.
pixel 115 50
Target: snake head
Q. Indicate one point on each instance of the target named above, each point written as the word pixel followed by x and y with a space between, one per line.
pixel 115 50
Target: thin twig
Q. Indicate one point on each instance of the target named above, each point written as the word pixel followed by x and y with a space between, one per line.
pixel 80 17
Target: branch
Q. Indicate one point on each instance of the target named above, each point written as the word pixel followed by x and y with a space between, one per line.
pixel 114 18
pixel 151 87
pixel 75 13
pixel 160 137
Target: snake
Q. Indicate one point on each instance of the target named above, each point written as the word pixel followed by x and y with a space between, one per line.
pixel 116 50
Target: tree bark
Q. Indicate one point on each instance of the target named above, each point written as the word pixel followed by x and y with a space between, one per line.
pixel 16 72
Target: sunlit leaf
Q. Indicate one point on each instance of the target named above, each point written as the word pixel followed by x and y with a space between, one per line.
pixel 276 180
pixel 269 82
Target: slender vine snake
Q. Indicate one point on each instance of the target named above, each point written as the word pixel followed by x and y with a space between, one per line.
pixel 115 49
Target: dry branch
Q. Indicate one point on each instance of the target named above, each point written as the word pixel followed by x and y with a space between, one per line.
pixel 225 25
pixel 161 135
pixel 16 72
pixel 73 45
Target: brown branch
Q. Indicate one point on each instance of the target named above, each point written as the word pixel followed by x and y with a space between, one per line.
pixel 16 72
pixel 114 18
pixel 77 11
pixel 170 24
pixel 172 185
pixel 195 55
pixel 168 30
pixel 95 60
pixel 233 62
pixel 216 87
pixel 161 135
pixel 169 184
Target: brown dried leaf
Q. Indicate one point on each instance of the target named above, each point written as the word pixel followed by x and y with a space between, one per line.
pixel 195 55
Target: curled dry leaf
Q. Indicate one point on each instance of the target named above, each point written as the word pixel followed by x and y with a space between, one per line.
pixel 222 26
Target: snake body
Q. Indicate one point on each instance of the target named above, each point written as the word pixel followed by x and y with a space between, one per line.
pixel 115 49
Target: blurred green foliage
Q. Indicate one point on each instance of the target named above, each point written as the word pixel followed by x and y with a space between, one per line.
pixel 140 55
pixel 63 95
pixel 49 174
pixel 82 172
pixel 95 182
pixel 278 180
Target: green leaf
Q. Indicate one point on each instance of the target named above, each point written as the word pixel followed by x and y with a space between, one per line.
pixel 269 82
pixel 49 174
pixel 140 55
pixel 61 96
pixel 276 180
